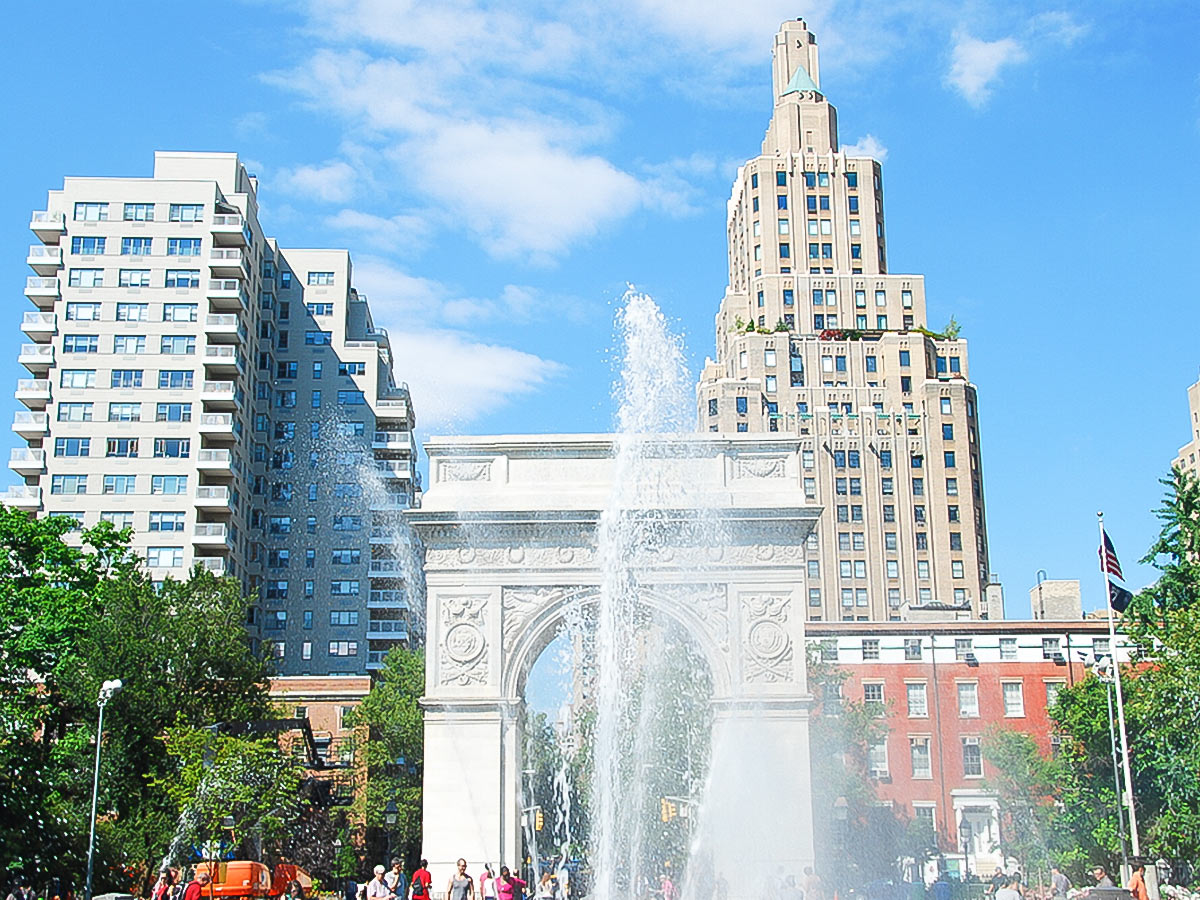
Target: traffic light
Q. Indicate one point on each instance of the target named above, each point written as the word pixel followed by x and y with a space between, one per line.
pixel 668 809
pixel 538 820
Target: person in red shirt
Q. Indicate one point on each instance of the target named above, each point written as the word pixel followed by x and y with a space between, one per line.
pixel 421 880
pixel 195 888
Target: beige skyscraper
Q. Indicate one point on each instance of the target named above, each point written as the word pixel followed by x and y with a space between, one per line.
pixel 816 338
pixel 228 399
pixel 1186 458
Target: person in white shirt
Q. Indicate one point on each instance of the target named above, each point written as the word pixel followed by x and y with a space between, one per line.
pixel 377 888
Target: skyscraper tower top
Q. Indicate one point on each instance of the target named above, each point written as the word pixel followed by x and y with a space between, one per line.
pixel 795 65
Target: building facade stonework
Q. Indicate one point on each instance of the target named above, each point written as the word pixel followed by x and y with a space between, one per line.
pixel 228 399
pixel 819 340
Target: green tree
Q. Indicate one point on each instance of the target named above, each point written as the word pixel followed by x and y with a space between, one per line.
pixel 1025 784
pixel 72 616
pixel 394 726
pixel 1160 688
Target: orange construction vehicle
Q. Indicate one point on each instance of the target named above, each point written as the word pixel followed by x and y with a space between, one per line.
pixel 245 879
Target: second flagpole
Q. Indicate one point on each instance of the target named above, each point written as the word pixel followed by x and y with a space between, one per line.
pixel 1127 800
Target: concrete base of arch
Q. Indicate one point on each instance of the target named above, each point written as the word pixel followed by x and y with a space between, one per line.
pixel 509 530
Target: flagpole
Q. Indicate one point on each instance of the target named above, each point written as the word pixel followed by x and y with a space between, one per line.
pixel 1112 647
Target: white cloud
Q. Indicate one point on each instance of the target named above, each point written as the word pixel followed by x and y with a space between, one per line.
pixel 869 146
pixel 1058 26
pixel 463 378
pixel 332 182
pixel 397 234
pixel 976 64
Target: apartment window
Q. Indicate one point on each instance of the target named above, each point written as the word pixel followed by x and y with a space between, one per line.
pixel 952 514
pixel 356 398
pixel 955 540
pixel 1008 648
pixel 320 278
pixel 186 212
pixel 120 484
pixel 968 699
pixel 178 344
pixel 133 278
pixel 342 648
pixel 318 338
pixel 278 558
pixel 77 378
pixel 353 368
pixel 123 412
pixel 972 756
pixel 166 521
pixel 316 400
pixel 347 523
pixel 956 568
pixel 279 525
pixel 889 513
pixel 962 648
pixel 343 617
pixel 168 484
pixel 860 568
pixel 1014 699
pixel 136 246
pixel 126 378
pixel 75 412
pixel 172 448
pixel 948 459
pixel 892 568
pixel 183 246
pixel 919 749
pixel 877 759
pixel 1052 689
pixel 1100 647
pixel 86 278
pixel 130 312
pixel 183 278
pixel 91 212
pixel 947 431
pixel 87 246
pixel 72 446
pixel 344 588
pixel 870 650
pixel 175 379
pixel 917 696
pixel 346 556
pixel 179 312
pixel 138 212
pixel 119 520
pixel 126 448
pixel 164 557
pixel 81 343
pixel 306 650
pixel 173 412
pixel 952 487
pixel 276 590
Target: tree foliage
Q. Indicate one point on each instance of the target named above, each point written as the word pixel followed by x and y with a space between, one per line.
pixel 1025 784
pixel 73 615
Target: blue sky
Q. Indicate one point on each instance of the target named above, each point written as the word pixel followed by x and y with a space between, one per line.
pixel 500 171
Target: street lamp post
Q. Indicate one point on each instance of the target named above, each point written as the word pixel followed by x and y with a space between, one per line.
pixel 389 818
pixel 107 691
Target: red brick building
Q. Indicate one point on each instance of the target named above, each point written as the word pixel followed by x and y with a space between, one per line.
pixel 942 686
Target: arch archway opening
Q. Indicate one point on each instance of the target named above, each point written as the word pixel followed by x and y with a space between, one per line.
pixel 665 739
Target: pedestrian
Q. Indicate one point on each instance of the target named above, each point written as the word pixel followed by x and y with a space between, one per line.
pixel 545 888
pixel 377 888
pixel 1137 884
pixel 1060 885
pixel 295 891
pixel 395 878
pixel 461 885
pixel 195 888
pixel 1102 879
pixel 21 890
pixel 1011 889
pixel 164 888
pixel 487 883
pixel 814 889
pixel 508 886
pixel 998 880
pixel 421 881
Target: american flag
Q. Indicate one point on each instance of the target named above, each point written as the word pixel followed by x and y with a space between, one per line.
pixel 1108 557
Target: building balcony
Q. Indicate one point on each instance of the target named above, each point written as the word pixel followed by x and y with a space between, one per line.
pixel 382 568
pixel 230 231
pixel 26 461
pixel 388 629
pixel 42 290
pixel 218 462
pixel 387 600
pixel 223 359
pixel 33 392
pixel 37 358
pixel 223 328
pixel 391 411
pixel 393 440
pixel 31 424
pixel 214 564
pixel 48 226
pixel 221 394
pixel 217 424
pixel 211 534
pixel 394 468
pixel 23 496
pixel 212 497
pixel 227 293
pixel 39 325
pixel 227 262
pixel 45 260
pixel 390 502
pixel 382 535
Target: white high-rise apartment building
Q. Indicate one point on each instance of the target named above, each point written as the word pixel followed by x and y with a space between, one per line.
pixel 227 399
pixel 1186 458
pixel 816 338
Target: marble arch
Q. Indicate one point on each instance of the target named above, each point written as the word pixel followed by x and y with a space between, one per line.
pixel 508 526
